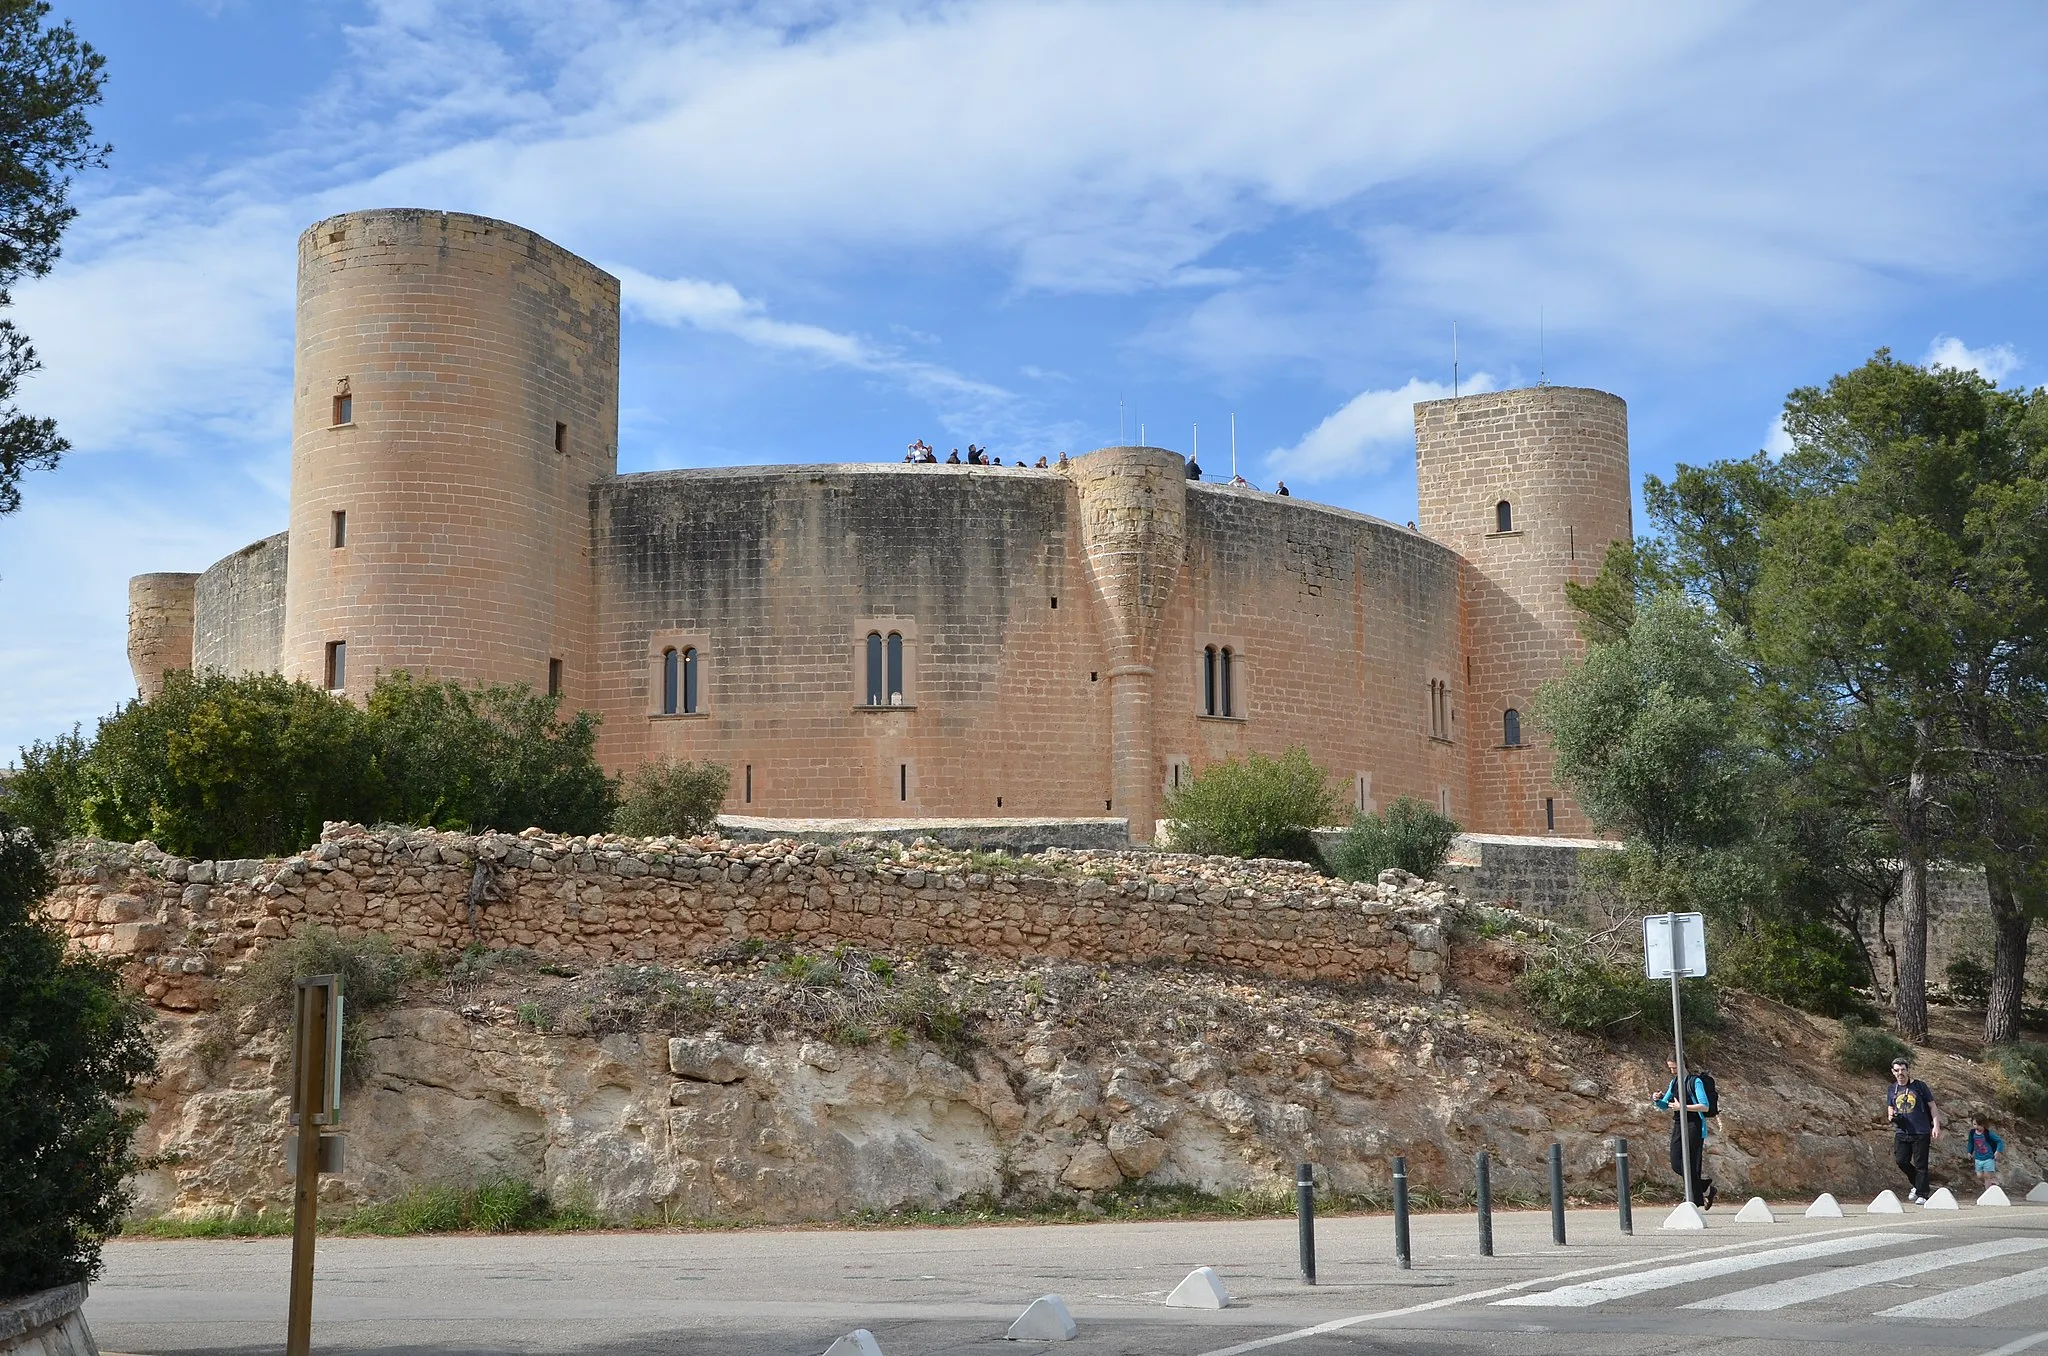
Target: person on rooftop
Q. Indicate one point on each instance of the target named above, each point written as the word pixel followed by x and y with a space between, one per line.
pixel 953 457
pixel 1282 491
pixel 1194 469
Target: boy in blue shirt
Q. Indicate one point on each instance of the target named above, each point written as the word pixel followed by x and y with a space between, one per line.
pixel 1692 1123
pixel 1985 1147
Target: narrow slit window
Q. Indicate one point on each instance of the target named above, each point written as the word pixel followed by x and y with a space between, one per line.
pixel 690 681
pixel 340 528
pixel 1223 666
pixel 1208 680
pixel 750 784
pixel 1503 517
pixel 875 689
pixel 554 677
pixel 895 668
pixel 344 409
pixel 337 665
pixel 1550 813
pixel 1511 728
pixel 903 781
pixel 561 437
pixel 671 681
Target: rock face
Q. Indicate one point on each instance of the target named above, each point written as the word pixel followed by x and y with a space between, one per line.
pixel 1222 1085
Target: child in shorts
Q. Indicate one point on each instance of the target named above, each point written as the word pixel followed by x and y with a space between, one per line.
pixel 1985 1146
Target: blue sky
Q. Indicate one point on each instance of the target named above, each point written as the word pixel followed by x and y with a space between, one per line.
pixel 845 226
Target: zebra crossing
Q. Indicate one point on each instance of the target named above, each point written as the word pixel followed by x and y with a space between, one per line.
pixel 1834 1268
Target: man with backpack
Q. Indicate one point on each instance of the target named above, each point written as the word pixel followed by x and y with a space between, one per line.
pixel 1702 1100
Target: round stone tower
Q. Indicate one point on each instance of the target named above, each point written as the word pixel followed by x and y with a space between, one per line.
pixel 1134 517
pixel 160 611
pixel 1529 487
pixel 455 396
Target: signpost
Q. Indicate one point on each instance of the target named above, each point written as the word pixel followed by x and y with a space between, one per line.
pixel 1675 947
pixel 316 1108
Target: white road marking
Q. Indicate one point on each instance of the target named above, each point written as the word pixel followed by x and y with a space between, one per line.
pixel 1972 1300
pixel 1607 1288
pixel 1840 1281
pixel 2024 1344
pixel 1339 1324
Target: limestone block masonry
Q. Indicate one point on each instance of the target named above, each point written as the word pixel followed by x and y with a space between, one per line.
pixel 1065 643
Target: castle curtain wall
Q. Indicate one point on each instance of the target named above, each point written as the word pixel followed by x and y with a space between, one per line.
pixel 238 614
pixel 778 574
pixel 1336 623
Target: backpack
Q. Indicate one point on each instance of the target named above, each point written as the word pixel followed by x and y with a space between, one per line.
pixel 1713 1094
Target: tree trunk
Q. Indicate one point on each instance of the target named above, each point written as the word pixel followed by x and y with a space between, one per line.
pixel 2010 926
pixel 1909 1003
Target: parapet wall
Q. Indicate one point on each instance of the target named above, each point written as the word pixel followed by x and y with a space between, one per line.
pixel 180 925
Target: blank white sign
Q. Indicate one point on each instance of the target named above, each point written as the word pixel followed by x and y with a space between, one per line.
pixel 1674 944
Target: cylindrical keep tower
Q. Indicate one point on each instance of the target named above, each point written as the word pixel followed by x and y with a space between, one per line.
pixel 1134 523
pixel 1529 487
pixel 159 627
pixel 455 395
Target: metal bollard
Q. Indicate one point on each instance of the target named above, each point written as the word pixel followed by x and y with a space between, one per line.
pixel 1557 1194
pixel 1305 1217
pixel 1401 1213
pixel 1482 1168
pixel 1628 1222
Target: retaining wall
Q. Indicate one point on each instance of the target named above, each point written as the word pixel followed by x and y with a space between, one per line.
pixel 46 1323
pixel 181 924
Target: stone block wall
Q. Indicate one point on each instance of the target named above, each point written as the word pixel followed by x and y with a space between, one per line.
pixel 238 610
pixel 179 925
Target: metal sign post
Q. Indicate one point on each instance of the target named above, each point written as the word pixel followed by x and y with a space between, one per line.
pixel 1675 946
pixel 316 1107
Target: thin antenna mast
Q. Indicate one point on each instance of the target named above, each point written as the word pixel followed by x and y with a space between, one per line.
pixel 1542 363
pixel 1454 358
pixel 1141 433
pixel 1195 452
pixel 1120 439
pixel 1233 444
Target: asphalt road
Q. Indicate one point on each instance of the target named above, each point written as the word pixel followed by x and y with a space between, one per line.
pixel 1973 1283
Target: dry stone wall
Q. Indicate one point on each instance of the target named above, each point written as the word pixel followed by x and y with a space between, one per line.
pixel 182 924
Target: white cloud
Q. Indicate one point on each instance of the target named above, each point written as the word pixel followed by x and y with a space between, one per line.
pixel 1777 438
pixel 1367 433
pixel 1993 364
pixel 721 309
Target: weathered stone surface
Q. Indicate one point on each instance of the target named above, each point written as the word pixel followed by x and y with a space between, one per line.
pixel 706 1059
pixel 1092 1168
pixel 1137 1151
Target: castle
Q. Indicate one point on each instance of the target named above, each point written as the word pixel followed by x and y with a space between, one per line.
pixel 879 640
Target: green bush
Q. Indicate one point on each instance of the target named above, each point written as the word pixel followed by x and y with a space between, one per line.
pixel 670 799
pixel 1252 807
pixel 73 1043
pixel 1969 981
pixel 229 767
pixel 251 766
pixel 1811 966
pixel 1571 987
pixel 1868 1049
pixel 1408 835
pixel 373 974
pixel 493 757
pixel 2024 1065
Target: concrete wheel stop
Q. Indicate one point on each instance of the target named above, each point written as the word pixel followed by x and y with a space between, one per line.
pixel 1943 1199
pixel 2039 1195
pixel 1203 1289
pixel 859 1342
pixel 1045 1319
pixel 1994 1195
pixel 1887 1203
pixel 1825 1206
pixel 1758 1211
